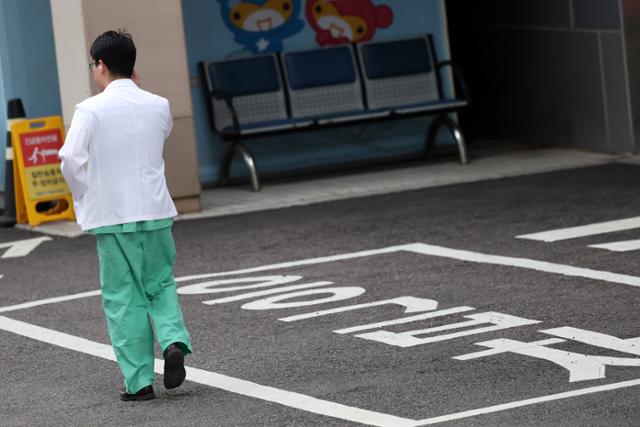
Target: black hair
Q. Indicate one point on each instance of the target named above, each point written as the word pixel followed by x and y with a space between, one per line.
pixel 117 52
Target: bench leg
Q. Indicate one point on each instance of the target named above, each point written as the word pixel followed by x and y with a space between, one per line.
pixel 248 160
pixel 445 120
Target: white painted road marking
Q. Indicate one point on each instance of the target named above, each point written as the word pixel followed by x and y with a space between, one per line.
pixel 513 347
pixel 274 302
pixel 420 248
pixel 49 301
pixel 255 294
pixel 440 251
pixel 212 379
pixel 315 405
pixel 584 230
pixel 283 397
pixel 411 338
pixel 526 402
pixel 628 345
pixel 581 367
pixel 403 320
pixel 624 246
pixel 411 304
pixel 213 287
pixel 548 267
pixel 22 248
pixel 309 261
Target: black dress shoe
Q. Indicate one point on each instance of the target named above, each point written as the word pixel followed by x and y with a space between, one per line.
pixel 174 372
pixel 144 394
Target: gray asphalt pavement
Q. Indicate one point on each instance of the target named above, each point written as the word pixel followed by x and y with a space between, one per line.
pixel 557 342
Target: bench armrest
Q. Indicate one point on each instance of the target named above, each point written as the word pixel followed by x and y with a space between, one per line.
pixel 458 78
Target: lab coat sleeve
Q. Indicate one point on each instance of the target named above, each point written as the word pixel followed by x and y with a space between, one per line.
pixel 74 154
pixel 168 120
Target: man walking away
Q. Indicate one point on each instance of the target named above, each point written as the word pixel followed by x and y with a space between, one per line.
pixel 112 162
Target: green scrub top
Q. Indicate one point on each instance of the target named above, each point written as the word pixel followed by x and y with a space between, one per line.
pixel 132 227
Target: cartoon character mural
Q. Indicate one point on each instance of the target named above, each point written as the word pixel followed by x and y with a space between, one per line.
pixel 262 25
pixel 346 21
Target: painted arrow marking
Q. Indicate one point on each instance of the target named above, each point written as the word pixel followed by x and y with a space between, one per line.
pixel 22 248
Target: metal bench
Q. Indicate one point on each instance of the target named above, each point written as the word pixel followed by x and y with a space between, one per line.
pixel 334 86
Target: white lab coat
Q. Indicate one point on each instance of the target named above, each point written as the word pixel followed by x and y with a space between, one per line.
pixel 112 157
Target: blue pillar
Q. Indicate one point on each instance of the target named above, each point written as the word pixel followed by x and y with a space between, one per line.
pixel 27 62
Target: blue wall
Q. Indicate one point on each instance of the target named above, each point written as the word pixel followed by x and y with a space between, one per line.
pixel 3 123
pixel 209 39
pixel 28 71
pixel 27 62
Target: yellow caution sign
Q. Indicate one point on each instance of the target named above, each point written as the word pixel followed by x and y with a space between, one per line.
pixel 41 191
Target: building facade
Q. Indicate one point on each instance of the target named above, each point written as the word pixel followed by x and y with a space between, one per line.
pixel 556 71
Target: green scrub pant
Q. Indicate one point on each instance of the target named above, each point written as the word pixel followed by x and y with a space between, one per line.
pixel 136 276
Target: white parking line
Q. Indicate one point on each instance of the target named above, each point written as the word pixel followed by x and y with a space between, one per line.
pixel 584 230
pixel 624 246
pixel 212 379
pixel 49 301
pixel 526 402
pixel 440 251
pixel 530 264
pixel 419 248
pixel 309 261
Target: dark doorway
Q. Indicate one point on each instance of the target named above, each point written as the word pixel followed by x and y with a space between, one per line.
pixel 543 72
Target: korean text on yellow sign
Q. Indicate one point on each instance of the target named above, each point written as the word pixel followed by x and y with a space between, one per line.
pixel 41 192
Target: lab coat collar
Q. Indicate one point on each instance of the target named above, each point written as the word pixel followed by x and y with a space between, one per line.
pixel 120 83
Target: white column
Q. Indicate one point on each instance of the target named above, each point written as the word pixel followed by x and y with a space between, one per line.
pixel 158 32
pixel 72 55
